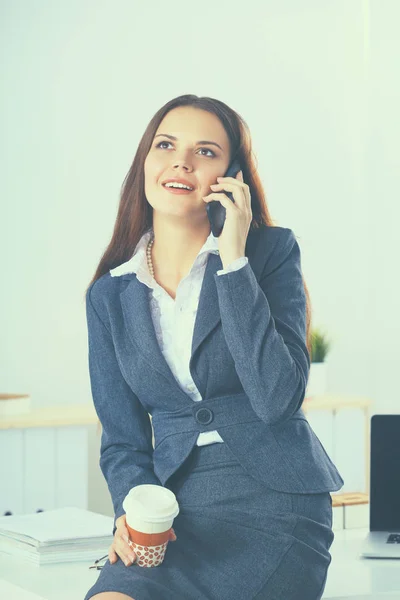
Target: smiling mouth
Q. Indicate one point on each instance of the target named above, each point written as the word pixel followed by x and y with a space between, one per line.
pixel 177 190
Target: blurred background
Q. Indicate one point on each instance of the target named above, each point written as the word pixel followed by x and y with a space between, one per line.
pixel 317 83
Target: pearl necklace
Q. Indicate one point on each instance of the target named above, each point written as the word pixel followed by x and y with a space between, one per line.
pixel 148 252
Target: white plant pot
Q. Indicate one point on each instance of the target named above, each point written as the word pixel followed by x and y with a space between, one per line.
pixel 317 381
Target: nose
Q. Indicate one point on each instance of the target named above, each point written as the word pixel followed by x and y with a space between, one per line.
pixel 183 164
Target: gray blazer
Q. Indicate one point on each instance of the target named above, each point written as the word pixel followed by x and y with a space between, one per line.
pixel 249 361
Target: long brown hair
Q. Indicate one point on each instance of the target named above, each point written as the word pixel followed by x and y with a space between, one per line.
pixel 135 214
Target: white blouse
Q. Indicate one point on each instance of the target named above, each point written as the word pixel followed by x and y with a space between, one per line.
pixel 174 319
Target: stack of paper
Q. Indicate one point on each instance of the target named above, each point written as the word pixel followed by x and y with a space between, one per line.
pixel 56 536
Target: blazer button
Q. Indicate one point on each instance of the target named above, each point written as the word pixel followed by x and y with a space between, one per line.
pixel 204 416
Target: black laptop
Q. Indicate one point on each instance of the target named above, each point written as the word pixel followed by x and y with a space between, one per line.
pixel 383 539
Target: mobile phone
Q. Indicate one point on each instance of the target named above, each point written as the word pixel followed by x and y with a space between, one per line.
pixel 215 211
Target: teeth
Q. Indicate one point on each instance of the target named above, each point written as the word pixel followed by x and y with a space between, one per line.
pixel 178 185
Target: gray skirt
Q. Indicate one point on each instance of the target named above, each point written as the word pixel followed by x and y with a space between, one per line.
pixel 236 539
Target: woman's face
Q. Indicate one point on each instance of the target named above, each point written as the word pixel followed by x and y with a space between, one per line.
pixel 185 158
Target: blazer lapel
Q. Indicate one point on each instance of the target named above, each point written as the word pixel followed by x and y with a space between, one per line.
pixel 135 304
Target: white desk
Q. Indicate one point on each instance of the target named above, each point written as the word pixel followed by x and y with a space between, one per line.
pixel 350 577
pixel 357 578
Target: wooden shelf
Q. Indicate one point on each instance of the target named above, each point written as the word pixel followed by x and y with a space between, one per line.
pixel 349 499
pixel 52 416
pixel 335 402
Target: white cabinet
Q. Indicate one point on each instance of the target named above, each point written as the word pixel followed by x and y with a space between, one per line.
pixel 44 459
pixel 39 469
pixel 71 478
pixel 11 471
pixel 343 435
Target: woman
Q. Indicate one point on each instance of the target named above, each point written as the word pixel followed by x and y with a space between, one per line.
pixel 178 317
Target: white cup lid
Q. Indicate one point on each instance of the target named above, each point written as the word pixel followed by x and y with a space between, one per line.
pixel 151 502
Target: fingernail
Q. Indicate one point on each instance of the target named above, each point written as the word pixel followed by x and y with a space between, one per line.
pixel 132 558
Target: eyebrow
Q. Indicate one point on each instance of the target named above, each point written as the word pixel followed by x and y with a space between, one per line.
pixel 172 137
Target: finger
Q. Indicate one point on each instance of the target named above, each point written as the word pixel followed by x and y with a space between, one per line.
pixel 123 548
pixel 123 531
pixel 112 556
pixel 228 185
pixel 128 558
pixel 233 180
pixel 125 536
pixel 239 195
pixel 223 198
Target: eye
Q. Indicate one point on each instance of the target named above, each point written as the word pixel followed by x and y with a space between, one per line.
pixel 158 145
pixel 207 149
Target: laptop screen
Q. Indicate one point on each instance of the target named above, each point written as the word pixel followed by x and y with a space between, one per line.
pixel 385 473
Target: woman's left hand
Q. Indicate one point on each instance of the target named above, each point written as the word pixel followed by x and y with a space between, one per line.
pixel 172 535
pixel 232 241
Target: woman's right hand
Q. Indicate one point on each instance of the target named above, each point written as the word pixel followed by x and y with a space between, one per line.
pixel 121 546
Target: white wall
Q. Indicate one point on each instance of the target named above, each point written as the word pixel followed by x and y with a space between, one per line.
pixel 317 83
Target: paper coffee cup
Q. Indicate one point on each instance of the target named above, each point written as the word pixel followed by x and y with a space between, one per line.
pixel 150 512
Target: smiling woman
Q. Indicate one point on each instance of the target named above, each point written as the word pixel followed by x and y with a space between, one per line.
pixel 172 323
pixel 176 134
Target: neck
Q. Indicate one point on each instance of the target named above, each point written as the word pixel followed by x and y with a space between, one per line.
pixel 175 248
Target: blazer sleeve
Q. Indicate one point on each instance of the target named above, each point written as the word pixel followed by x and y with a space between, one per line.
pixel 264 324
pixel 126 449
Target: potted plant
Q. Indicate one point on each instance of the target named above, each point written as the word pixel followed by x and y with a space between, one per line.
pixel 320 346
